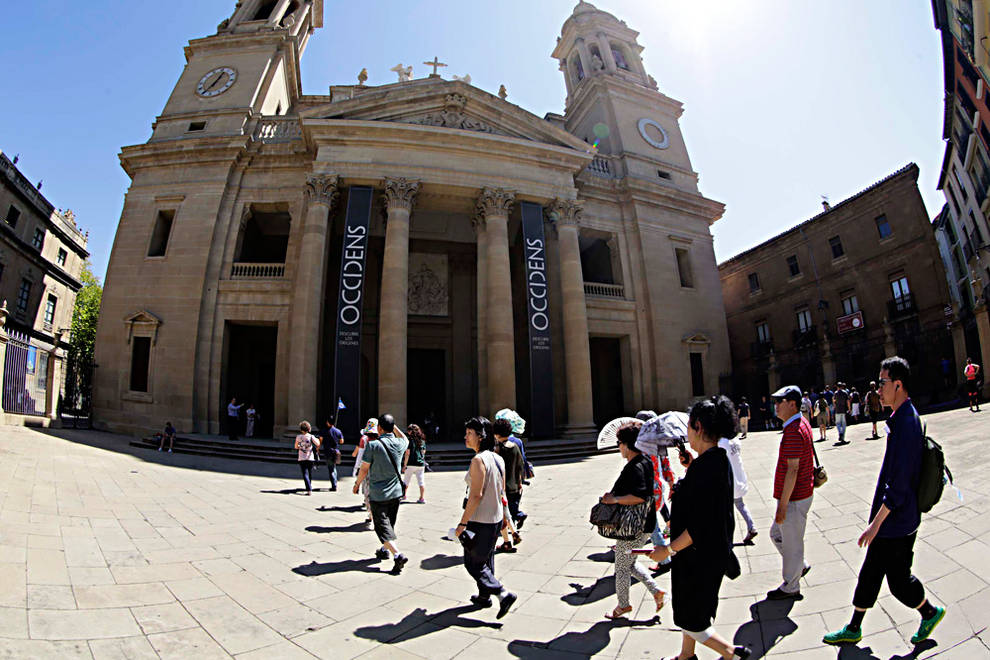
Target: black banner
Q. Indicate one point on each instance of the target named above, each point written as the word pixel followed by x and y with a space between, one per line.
pixel 347 352
pixel 538 312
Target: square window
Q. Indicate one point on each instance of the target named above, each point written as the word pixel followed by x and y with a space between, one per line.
pixel 39 238
pixel 12 215
pixel 804 320
pixel 836 244
pixel 754 282
pixel 62 255
pixel 684 267
pixel 850 305
pixel 792 265
pixel 883 226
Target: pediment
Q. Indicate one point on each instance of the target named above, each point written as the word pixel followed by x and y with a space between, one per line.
pixel 144 323
pixel 444 104
pixel 697 338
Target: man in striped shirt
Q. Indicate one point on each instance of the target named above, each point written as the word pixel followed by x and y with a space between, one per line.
pixel 793 486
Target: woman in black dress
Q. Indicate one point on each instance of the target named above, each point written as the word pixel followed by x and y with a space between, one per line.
pixel 701 528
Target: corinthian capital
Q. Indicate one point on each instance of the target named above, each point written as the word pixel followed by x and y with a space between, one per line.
pixel 494 201
pixel 565 211
pixel 323 189
pixel 399 194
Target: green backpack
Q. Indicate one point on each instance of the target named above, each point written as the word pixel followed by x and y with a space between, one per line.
pixel 934 473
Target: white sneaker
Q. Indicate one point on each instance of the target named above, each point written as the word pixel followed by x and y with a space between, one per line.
pixel 159 449
pixel 170 450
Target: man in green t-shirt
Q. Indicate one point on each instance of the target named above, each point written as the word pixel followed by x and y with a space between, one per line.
pixel 380 466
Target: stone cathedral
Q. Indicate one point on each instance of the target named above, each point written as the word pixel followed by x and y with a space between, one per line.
pixel 424 248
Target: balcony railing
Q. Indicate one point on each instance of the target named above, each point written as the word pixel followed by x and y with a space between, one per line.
pixel 600 167
pixel 759 349
pixel 249 271
pixel 902 306
pixel 806 336
pixel 281 129
pixel 603 290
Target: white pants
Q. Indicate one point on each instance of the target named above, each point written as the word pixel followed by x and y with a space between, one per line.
pixel 788 538
pixel 249 431
pixel 417 470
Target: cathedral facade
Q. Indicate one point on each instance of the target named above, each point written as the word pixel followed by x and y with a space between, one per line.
pixel 424 248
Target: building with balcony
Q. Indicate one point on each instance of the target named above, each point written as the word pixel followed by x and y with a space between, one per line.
pixel 828 299
pixel 42 253
pixel 424 247
pixel 962 228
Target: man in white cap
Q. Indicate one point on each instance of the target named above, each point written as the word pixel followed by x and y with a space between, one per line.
pixel 793 486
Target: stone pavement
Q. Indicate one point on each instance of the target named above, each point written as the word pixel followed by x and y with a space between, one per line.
pixel 108 551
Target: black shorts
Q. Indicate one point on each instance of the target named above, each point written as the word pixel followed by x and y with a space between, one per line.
pixel 383 515
pixel 972 386
pixel 875 416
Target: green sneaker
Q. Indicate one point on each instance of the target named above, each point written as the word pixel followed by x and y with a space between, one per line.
pixel 928 625
pixel 844 636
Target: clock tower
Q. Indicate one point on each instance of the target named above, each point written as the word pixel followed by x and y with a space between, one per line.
pixel 250 67
pixel 612 100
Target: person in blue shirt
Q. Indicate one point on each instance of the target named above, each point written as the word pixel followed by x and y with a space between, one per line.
pixel 332 439
pixel 894 515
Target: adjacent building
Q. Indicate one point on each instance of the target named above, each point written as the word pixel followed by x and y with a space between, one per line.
pixel 425 248
pixel 42 253
pixel 827 300
pixel 961 228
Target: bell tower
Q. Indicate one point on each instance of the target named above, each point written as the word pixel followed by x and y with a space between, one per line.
pixel 250 67
pixel 614 102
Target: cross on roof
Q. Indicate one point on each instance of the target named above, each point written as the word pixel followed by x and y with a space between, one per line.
pixel 435 63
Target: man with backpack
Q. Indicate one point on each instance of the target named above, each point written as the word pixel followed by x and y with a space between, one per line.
pixel 895 514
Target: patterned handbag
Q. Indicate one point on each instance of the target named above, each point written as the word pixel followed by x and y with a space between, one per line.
pixel 620 521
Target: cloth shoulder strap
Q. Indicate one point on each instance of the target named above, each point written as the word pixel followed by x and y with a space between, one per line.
pixel 391 460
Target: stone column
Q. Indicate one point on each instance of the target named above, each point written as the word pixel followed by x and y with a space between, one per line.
pixel 889 343
pixel 585 56
pixel 494 206
pixel 53 382
pixel 307 298
pixel 393 337
pixel 482 298
pixel 577 348
pixel 773 373
pixel 828 362
pixel 607 57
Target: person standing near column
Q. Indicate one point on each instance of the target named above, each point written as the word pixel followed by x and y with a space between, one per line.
pixel 971 371
pixel 250 415
pixel 894 515
pixel 793 487
pixel 233 418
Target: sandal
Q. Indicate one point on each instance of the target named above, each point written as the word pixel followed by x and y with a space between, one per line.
pixel 660 598
pixel 516 539
pixel 618 613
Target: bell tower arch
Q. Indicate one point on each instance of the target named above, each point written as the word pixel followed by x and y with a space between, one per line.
pixel 249 67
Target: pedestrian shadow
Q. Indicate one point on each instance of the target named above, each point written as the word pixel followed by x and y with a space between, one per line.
pixel 601 589
pixel 608 556
pixel 769 625
pixel 576 644
pixel 918 649
pixel 411 625
pixel 438 562
pixel 355 527
pixel 354 508
pixel 314 569
pixel 284 491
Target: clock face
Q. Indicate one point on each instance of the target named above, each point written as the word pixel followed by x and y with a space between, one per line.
pixel 653 133
pixel 216 82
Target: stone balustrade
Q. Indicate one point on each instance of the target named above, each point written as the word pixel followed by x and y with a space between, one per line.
pixel 278 129
pixel 603 290
pixel 600 167
pixel 251 271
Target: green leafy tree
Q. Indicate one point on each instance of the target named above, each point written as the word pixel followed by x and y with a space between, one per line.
pixel 79 373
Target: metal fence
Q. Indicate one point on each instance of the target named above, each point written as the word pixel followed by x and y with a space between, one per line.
pixel 25 376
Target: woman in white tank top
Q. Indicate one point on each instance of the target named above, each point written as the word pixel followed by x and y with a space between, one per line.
pixel 484 513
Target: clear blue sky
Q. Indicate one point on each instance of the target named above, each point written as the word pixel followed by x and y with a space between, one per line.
pixel 785 100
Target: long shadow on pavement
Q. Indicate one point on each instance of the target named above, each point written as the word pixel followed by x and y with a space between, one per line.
pixel 412 625
pixel 439 561
pixel 769 625
pixel 607 556
pixel 314 569
pixel 575 644
pixel 601 589
pixel 354 508
pixel 356 527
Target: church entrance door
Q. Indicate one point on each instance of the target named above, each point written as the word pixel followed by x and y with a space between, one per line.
pixel 606 379
pixel 426 392
pixel 249 374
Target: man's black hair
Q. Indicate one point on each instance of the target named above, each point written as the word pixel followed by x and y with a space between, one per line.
pixel 898 369
pixel 387 422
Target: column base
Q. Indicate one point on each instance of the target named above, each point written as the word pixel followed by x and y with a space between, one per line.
pixel 571 431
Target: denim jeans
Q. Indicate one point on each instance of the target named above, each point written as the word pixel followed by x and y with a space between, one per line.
pixel 307 473
pixel 840 425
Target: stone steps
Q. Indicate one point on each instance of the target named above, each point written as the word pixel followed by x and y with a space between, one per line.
pixel 438 455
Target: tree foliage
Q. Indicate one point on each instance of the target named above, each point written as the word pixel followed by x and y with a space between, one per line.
pixel 79 374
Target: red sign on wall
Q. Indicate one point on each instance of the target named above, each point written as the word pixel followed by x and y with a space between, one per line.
pixel 849 322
